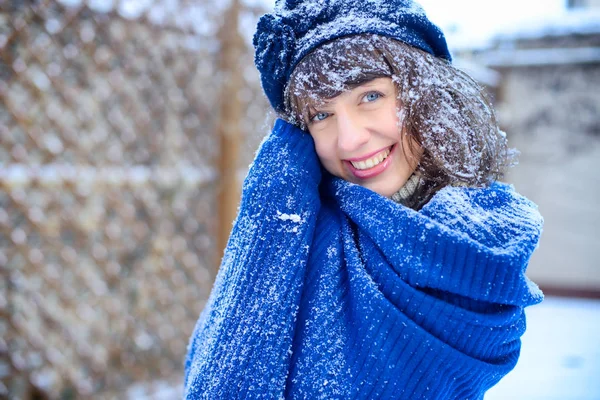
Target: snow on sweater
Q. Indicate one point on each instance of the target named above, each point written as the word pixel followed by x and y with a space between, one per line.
pixel 328 290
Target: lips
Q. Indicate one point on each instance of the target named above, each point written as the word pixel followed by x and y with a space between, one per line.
pixel 371 162
pixel 372 166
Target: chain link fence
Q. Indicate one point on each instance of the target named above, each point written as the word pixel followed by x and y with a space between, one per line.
pixel 108 190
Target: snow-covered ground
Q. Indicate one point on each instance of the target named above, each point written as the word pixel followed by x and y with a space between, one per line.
pixel 560 357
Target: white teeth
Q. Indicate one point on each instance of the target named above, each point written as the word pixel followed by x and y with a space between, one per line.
pixel 371 162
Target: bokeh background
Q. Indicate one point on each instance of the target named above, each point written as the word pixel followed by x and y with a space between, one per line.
pixel 127 126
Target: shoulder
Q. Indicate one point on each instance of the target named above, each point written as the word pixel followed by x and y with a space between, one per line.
pixel 489 214
pixel 496 195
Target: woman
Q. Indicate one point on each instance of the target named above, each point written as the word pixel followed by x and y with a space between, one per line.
pixel 374 254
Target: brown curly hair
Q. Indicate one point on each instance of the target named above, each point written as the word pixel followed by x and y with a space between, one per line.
pixel 445 111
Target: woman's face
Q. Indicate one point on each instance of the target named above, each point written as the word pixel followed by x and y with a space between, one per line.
pixel 357 138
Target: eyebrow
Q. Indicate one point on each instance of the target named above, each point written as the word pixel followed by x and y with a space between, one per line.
pixel 363 80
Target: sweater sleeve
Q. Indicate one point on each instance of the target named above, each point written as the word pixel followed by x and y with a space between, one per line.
pixel 496 230
pixel 249 319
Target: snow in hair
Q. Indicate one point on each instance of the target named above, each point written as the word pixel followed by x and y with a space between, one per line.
pixel 441 107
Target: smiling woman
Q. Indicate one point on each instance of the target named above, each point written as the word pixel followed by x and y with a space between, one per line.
pixel 375 255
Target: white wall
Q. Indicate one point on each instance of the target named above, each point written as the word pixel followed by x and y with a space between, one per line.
pixel 551 115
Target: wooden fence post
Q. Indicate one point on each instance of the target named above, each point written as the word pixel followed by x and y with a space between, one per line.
pixel 231 50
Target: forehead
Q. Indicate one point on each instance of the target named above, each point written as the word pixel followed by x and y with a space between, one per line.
pixel 321 88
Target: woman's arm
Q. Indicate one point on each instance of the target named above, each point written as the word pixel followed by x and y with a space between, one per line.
pixel 259 284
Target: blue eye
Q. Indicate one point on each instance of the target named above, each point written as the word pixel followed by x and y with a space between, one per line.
pixel 369 97
pixel 320 116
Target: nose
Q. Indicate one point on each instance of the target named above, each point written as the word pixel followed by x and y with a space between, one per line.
pixel 352 132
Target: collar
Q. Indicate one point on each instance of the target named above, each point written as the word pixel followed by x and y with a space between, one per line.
pixel 406 192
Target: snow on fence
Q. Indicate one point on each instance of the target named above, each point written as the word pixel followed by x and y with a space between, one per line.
pixel 108 190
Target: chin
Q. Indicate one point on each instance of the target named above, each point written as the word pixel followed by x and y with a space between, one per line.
pixel 386 189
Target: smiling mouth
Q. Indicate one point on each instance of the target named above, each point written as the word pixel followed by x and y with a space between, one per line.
pixel 373 161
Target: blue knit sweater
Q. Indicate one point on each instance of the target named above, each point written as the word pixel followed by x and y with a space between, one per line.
pixel 328 290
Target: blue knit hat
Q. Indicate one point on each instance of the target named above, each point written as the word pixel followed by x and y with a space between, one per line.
pixel 296 27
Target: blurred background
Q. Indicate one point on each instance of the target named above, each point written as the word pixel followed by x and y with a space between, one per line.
pixel 126 128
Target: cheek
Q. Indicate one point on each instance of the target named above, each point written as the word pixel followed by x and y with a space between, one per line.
pixel 326 151
pixel 322 145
